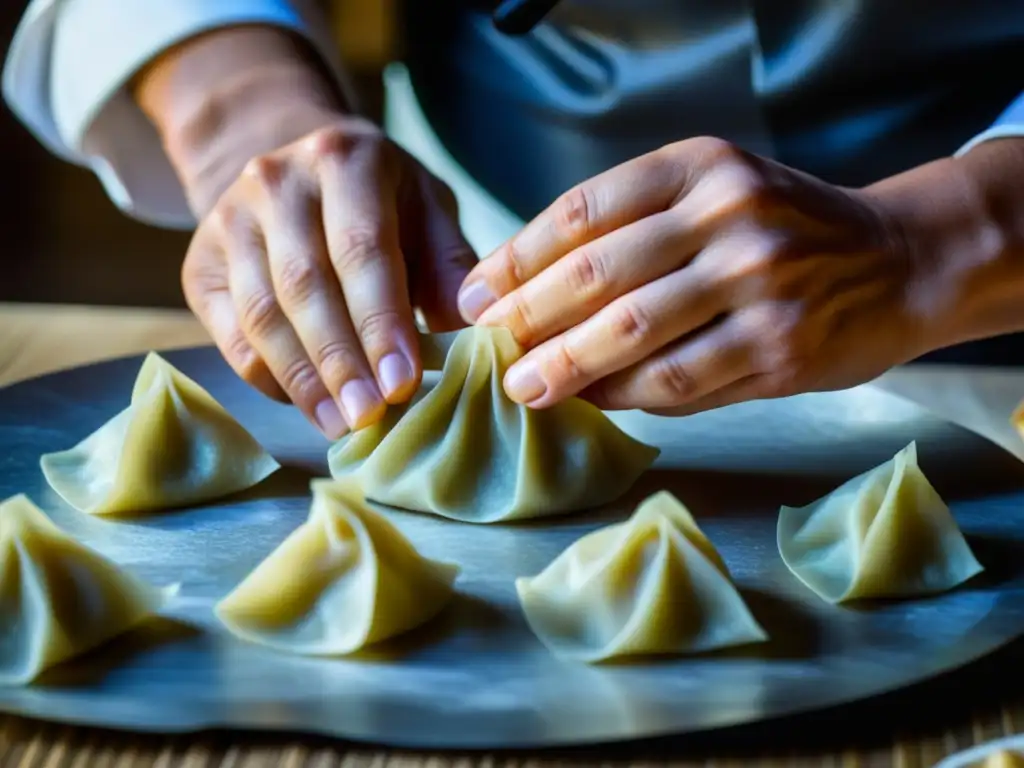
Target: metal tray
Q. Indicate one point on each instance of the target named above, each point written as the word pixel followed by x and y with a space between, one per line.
pixel 477 678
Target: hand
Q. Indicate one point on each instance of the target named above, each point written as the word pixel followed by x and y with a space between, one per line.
pixel 307 268
pixel 698 276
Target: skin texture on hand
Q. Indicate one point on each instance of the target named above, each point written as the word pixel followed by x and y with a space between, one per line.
pixel 318 237
pixel 699 275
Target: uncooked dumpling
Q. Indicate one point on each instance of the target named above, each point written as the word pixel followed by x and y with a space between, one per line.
pixel 883 534
pixel 58 598
pixel 173 446
pixel 463 450
pixel 343 580
pixel 1004 759
pixel 653 584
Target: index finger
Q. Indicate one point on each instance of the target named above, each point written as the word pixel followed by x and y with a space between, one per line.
pixel 634 190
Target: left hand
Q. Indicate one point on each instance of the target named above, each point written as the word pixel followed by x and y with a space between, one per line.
pixel 697 276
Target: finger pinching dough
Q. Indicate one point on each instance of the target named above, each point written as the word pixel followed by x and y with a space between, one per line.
pixel 59 598
pixel 653 584
pixel 343 580
pixel 465 451
pixel 884 534
pixel 173 446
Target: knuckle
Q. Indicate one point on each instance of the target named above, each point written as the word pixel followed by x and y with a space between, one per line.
pixel 347 143
pixel 297 280
pixel 343 141
pixel 631 326
pixel 575 212
pixel 753 189
pixel 757 259
pixel 355 248
pixel 715 151
pixel 265 171
pixel 564 367
pixel 519 320
pixel 377 327
pixel 673 380
pixel 243 359
pixel 259 312
pixel 224 217
pixel 332 141
pixel 515 264
pixel 738 177
pixel 338 361
pixel 299 379
pixel 588 273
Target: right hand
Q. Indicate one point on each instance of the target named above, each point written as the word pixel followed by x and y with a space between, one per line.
pixel 307 268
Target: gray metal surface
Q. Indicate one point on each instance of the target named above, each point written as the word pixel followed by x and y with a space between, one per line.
pixel 478 678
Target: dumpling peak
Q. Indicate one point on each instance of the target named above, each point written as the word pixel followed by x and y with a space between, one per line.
pixel 464 450
pixel 345 579
pixel 172 446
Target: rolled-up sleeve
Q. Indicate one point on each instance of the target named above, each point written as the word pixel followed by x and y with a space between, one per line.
pixel 1010 124
pixel 70 62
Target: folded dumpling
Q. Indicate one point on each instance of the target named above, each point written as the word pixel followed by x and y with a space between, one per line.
pixel 884 534
pixel 653 584
pixel 463 450
pixel 343 580
pixel 1004 759
pixel 59 598
pixel 173 446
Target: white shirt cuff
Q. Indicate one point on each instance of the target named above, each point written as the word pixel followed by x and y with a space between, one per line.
pixel 70 61
pixel 1010 124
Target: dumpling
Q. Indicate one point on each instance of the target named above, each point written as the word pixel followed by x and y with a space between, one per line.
pixel 173 446
pixel 653 584
pixel 59 598
pixel 343 580
pixel 1004 759
pixel 464 451
pixel 883 534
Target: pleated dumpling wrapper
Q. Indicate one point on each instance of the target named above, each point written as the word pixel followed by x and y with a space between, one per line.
pixel 59 598
pixel 653 584
pixel 884 534
pixel 345 579
pixel 173 446
pixel 465 451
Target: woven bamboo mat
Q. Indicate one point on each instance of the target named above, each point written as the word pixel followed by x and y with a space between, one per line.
pixel 25 744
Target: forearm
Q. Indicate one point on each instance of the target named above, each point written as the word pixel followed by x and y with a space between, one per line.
pixel 963 222
pixel 220 99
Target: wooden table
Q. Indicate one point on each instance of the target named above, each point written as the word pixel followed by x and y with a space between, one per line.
pixel 910 730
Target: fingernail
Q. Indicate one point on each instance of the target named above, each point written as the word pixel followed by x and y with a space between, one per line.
pixel 474 299
pixel 329 419
pixel 524 384
pixel 359 400
pixel 395 373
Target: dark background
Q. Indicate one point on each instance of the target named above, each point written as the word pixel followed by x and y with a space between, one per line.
pixel 64 241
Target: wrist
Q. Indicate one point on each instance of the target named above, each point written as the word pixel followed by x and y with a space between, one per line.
pixel 268 91
pixel 960 224
pixel 263 111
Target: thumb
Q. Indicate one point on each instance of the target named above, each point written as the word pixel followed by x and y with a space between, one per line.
pixel 444 257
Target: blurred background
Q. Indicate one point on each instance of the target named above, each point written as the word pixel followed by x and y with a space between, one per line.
pixel 65 242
